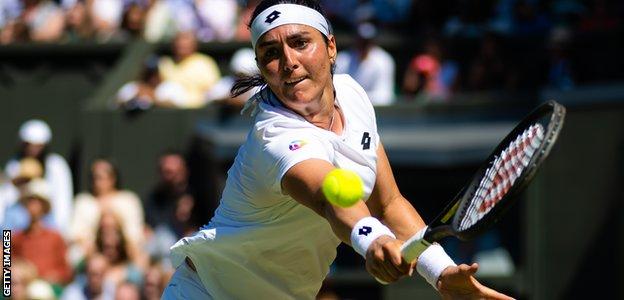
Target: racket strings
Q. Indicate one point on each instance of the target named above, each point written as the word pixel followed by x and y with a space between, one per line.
pixel 502 174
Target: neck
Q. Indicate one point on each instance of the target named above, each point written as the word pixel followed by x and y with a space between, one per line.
pixel 106 193
pixel 36 225
pixel 328 113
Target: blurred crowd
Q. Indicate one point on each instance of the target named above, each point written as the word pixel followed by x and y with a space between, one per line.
pixel 454 45
pixel 106 242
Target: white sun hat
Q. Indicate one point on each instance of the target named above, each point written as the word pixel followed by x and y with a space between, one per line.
pixel 35 132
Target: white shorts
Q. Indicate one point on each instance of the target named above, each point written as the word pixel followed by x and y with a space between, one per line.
pixel 185 284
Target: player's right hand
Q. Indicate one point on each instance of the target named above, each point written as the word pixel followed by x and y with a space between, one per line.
pixel 384 261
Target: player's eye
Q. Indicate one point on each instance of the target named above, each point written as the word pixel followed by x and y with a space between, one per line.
pixel 300 43
pixel 270 54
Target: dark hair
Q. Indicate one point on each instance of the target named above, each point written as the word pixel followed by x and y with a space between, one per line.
pixel 122 247
pixel 245 83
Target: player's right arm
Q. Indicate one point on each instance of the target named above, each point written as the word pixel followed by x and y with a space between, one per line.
pixel 303 183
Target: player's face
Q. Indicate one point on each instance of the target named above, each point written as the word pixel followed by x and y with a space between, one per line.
pixel 296 63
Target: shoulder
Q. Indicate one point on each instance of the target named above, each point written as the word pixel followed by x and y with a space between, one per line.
pixel 200 57
pixel 85 200
pixel 127 195
pixel 273 128
pixel 346 82
pixel 350 90
pixel 54 158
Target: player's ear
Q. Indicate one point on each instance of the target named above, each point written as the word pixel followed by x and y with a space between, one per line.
pixel 331 48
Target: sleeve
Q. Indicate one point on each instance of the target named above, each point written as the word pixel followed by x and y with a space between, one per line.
pixel 289 148
pixel 364 106
pixel 60 179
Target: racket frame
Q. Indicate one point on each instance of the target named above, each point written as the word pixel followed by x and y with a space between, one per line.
pixel 551 132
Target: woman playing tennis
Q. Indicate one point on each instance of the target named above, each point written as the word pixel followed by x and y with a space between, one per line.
pixel 274 235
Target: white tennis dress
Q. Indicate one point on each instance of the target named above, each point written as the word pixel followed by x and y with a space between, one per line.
pixel 262 244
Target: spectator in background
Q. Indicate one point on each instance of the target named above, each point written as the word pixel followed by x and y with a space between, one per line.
pixel 44 20
pixel 22 274
pixel 169 207
pixel 12 29
pixel 112 242
pixel 16 216
pixel 196 73
pixel 209 20
pixel 143 93
pixel 487 70
pixel 35 136
pixel 105 195
pixel 217 19
pixel 242 31
pixel 133 21
pixel 106 17
pixel 28 244
pixel 149 90
pixel 160 20
pixel 127 291
pixel 79 27
pixel 93 284
pixel 154 282
pixel 560 75
pixel 430 74
pixel 9 10
pixel 242 63
pixel 370 65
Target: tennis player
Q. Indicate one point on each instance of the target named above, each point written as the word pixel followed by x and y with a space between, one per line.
pixel 274 235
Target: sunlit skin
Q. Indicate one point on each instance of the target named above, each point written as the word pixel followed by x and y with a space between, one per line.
pixel 296 62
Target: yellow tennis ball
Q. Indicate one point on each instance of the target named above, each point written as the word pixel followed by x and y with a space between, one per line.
pixel 343 187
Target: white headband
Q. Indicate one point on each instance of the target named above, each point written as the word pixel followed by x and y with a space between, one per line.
pixel 281 14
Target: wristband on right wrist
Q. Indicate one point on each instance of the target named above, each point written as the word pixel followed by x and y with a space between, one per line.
pixel 432 262
pixel 365 231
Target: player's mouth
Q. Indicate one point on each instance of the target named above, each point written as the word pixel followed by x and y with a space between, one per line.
pixel 294 81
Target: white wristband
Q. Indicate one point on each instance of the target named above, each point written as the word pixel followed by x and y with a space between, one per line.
pixel 432 262
pixel 365 232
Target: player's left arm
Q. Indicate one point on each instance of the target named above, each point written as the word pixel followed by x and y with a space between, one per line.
pixel 388 204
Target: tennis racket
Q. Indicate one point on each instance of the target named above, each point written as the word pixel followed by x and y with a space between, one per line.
pixel 497 183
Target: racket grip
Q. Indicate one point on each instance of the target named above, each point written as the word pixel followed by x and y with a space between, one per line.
pixel 414 246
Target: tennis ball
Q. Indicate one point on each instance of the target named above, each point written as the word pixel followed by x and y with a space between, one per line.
pixel 343 187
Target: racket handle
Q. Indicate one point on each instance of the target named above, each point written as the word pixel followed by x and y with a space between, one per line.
pixel 414 246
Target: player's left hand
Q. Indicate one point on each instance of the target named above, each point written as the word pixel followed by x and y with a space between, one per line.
pixel 458 282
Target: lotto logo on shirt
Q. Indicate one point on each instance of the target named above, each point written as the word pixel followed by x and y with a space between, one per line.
pixel 296 145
